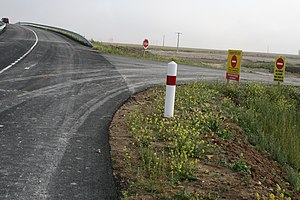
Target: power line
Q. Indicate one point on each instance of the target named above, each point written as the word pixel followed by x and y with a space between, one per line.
pixel 178 35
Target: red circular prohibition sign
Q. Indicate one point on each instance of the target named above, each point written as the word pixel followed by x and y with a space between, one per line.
pixel 234 61
pixel 279 63
pixel 146 43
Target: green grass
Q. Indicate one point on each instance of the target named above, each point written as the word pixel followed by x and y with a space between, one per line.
pixel 262 65
pixel 68 34
pixel 271 117
pixel 135 52
pixel 170 150
pixel 241 166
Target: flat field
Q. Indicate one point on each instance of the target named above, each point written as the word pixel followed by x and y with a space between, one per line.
pixel 215 58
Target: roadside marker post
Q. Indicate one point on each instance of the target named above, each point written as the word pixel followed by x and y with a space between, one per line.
pixel 170 89
pixel 279 69
pixel 233 69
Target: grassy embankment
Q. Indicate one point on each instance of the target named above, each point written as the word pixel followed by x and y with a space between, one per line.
pixel 65 33
pixel 173 150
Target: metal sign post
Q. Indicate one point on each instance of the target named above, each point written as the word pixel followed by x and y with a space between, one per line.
pixel 145 45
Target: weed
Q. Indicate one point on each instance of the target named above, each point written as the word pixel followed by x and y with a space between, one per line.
pixel 241 166
pixel 171 150
pixel 279 194
pixel 263 65
pixel 186 195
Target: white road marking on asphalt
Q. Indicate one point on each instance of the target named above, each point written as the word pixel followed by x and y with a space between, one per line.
pixel 30 66
pixel 22 57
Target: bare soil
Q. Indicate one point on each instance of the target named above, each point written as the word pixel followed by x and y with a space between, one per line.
pixel 216 179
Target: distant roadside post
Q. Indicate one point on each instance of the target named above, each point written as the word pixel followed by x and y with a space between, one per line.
pixel 279 69
pixel 233 69
pixel 145 45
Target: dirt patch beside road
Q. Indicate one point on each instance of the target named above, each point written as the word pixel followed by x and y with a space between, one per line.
pixel 214 180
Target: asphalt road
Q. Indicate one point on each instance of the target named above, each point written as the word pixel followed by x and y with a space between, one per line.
pixel 138 71
pixel 55 109
pixel 14 42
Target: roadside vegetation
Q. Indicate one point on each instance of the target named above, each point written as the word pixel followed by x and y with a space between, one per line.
pixel 262 65
pixel 137 52
pixel 216 145
pixel 66 33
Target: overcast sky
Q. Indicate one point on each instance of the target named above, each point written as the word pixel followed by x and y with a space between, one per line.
pixel 250 25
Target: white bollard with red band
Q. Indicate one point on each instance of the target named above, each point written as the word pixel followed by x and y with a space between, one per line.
pixel 170 89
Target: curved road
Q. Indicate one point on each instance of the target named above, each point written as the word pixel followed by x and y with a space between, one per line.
pixel 15 41
pixel 55 109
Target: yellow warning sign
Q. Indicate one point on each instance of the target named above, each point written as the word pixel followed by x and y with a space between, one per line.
pixel 279 69
pixel 233 70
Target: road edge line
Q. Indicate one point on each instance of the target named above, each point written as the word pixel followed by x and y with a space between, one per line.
pixel 22 57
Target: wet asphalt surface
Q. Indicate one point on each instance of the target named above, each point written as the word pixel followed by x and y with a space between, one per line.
pixel 56 106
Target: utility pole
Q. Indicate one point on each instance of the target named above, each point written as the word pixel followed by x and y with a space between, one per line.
pixel 178 35
pixel 164 37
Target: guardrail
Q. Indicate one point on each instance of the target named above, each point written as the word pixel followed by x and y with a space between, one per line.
pixel 70 34
pixel 2 26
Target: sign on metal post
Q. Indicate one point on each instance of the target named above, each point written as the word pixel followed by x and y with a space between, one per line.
pixel 233 69
pixel 145 45
pixel 279 69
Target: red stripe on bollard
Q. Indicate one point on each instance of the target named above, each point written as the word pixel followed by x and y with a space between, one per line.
pixel 171 80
